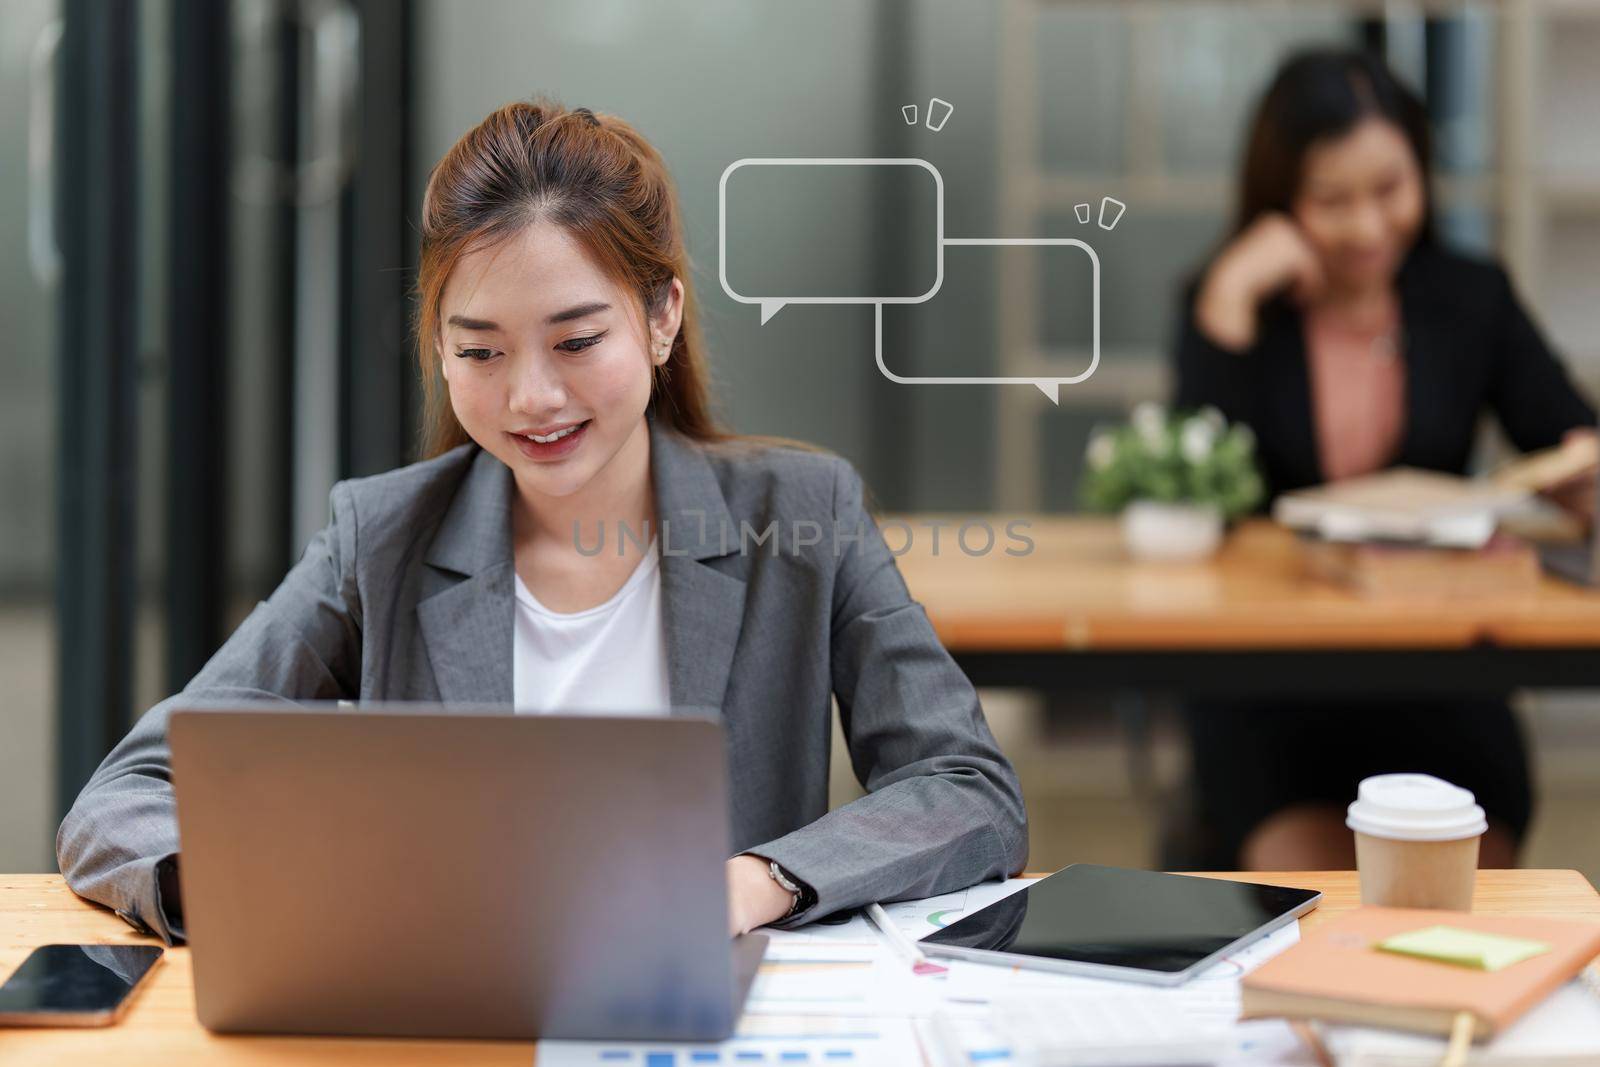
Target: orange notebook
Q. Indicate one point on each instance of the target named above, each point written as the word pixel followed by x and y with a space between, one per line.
pixel 1337 974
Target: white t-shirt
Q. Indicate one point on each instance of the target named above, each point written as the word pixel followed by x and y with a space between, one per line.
pixel 608 660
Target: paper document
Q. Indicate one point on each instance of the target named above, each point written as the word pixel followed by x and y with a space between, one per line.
pixel 1210 999
pixel 840 979
pixel 850 1042
pixel 849 969
pixel 915 918
pixel 837 993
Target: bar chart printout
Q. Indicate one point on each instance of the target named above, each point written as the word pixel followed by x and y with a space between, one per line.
pixel 767 1039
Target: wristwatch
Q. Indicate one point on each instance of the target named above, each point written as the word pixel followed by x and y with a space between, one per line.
pixel 801 892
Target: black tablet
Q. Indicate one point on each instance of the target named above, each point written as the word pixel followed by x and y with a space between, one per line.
pixel 1109 922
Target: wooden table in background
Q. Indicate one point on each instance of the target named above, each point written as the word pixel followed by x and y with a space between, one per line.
pixel 1076 613
pixel 160 1029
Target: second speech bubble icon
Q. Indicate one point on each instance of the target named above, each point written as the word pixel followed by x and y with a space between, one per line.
pixel 773 302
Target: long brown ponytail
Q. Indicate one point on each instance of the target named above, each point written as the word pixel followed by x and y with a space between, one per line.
pixel 595 176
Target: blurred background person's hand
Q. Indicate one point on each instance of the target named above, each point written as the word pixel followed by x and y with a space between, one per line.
pixel 1575 494
pixel 1271 255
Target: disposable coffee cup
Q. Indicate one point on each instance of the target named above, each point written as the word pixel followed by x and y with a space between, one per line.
pixel 1416 841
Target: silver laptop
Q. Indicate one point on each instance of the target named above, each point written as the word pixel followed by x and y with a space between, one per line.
pixel 1576 561
pixel 414 872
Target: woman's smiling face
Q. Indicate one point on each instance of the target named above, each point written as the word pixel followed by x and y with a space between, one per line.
pixel 547 359
pixel 1361 203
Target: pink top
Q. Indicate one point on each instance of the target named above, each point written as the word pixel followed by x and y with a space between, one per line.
pixel 1358 392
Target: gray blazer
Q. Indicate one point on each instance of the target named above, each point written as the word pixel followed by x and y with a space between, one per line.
pixel 407 595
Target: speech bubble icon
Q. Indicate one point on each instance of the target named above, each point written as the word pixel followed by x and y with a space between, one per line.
pixel 772 303
pixel 1049 385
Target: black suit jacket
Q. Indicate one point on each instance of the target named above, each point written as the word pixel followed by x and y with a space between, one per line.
pixel 1468 345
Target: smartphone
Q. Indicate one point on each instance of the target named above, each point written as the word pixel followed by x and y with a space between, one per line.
pixel 75 985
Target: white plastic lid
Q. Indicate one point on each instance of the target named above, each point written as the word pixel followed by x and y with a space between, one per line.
pixel 1415 807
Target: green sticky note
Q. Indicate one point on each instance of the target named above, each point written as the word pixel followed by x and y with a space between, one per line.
pixel 1464 948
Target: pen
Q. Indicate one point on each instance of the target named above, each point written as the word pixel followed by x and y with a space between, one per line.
pixel 1312 1040
pixel 1460 1041
pixel 902 945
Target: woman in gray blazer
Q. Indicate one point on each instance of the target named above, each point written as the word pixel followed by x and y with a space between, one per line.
pixel 582 527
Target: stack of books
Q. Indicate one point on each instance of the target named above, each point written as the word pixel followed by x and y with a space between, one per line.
pixel 1378 1007
pixel 1421 534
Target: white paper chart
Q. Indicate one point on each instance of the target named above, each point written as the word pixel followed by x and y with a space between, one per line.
pixel 836 994
pixel 846 1042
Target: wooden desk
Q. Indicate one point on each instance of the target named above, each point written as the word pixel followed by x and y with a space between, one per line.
pixel 1076 612
pixel 160 1027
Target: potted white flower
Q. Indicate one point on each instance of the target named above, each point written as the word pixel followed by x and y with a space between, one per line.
pixel 1176 479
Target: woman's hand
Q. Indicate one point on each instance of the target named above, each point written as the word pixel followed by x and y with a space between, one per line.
pixel 754 898
pixel 1576 494
pixel 1270 255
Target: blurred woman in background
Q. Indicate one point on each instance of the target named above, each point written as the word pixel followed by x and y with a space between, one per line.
pixel 1337 326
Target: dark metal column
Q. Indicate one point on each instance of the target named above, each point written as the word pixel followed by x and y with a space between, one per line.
pixel 287 135
pixel 375 363
pixel 97 211
pixel 890 466
pixel 197 317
